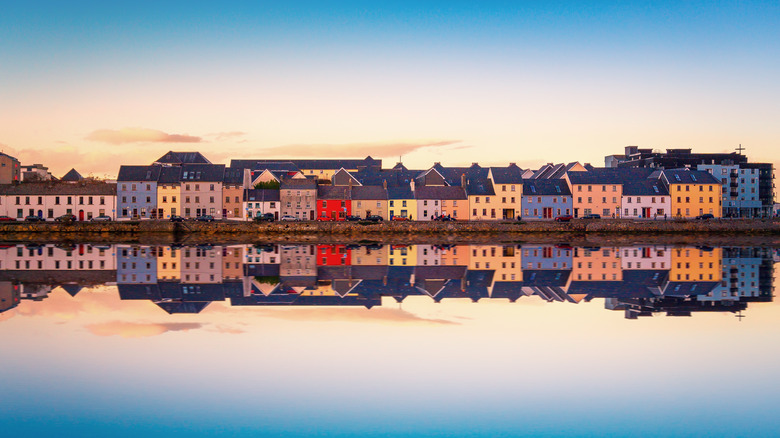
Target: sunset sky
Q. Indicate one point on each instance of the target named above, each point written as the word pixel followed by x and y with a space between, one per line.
pixel 93 85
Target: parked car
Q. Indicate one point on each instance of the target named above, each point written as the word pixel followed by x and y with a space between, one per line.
pixel 325 219
pixel 374 218
pixel 66 218
pixel 265 217
pixel 205 218
pixel 352 218
pixel 400 218
pixel 175 218
pixel 289 218
pixel 444 218
pixel 101 218
pixel 705 216
pixel 564 218
pixel 34 219
pixel 592 216
pixel 7 219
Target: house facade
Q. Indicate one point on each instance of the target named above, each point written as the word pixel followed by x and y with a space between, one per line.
pixel 545 199
pixel 401 202
pixel 169 192
pixel 333 203
pixel 692 193
pixel 645 199
pixel 370 200
pixel 258 202
pixel 50 200
pixel 137 192
pixel 201 190
pixel 233 184
pixel 508 187
pixel 299 198
pixel 433 201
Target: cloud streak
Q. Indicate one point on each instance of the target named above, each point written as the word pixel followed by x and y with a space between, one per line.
pixel 139 135
pixel 126 329
pixel 378 149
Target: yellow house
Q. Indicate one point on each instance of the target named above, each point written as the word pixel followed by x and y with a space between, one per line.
pixel 371 255
pixel 696 264
pixel 401 202
pixel 508 187
pixel 169 192
pixel 693 193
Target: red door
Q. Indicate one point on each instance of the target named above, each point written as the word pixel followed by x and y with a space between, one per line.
pixel 81 215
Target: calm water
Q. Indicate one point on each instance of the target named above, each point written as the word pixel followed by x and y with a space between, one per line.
pixel 388 340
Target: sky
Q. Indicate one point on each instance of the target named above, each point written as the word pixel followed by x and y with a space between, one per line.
pixel 93 85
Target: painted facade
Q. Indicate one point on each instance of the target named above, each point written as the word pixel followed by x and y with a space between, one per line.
pixel 545 199
pixel 137 192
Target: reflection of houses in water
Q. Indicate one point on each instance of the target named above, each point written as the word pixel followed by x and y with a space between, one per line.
pixel 34 270
pixel 640 280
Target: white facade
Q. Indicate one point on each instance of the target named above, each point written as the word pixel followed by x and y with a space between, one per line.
pixel 646 207
pixel 656 257
pixel 82 257
pixel 53 205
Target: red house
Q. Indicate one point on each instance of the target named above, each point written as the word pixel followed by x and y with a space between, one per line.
pixel 333 203
pixel 333 255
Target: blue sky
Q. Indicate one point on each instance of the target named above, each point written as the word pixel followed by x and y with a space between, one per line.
pixel 526 82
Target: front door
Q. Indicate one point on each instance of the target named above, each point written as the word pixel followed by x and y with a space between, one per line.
pixel 81 215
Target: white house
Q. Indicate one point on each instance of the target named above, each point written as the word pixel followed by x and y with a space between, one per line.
pixel 49 200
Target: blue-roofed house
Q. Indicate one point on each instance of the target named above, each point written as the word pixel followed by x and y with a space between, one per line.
pixel 546 199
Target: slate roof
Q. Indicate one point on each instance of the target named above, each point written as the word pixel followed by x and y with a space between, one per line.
pixel 617 175
pixel 400 192
pixel 507 175
pixel 233 176
pixel 280 166
pixel 309 164
pixel 545 187
pixel 646 187
pixel 54 188
pixel 685 176
pixel 72 176
pixel 139 173
pixel 202 172
pixel 333 192
pixel 178 158
pixel 298 184
pixel 439 192
pixel 369 193
pixel 261 195
pixel 170 175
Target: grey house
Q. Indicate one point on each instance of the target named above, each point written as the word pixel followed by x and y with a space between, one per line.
pixel 137 192
pixel 546 198
pixel 299 198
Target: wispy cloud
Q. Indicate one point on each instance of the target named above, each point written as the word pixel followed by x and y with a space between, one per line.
pixel 380 315
pixel 139 135
pixel 139 330
pixel 377 149
pixel 229 135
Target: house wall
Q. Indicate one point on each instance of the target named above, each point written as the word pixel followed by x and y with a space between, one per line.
pixel 233 205
pixel 10 170
pixel 53 206
pixel 52 258
pixel 403 207
pixel 333 209
pixel 484 208
pixel 603 199
pixel 428 208
pixel 298 203
pixel 203 196
pixel 365 256
pixel 601 264
pixel 546 257
pixel 510 198
pixel 233 261
pixel 253 209
pixel 168 263
pixel 366 207
pixel 201 265
pixel 136 264
pixel 533 206
pixel 458 255
pixel 402 255
pixel 646 257
pixel 632 207
pixel 691 200
pixel 168 200
pixel 136 200
pixel 457 208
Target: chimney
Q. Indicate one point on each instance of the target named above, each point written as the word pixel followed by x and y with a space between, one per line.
pixel 411 184
pixel 463 180
pixel 384 184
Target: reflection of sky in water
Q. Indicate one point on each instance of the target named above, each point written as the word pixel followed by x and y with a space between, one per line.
pixel 503 368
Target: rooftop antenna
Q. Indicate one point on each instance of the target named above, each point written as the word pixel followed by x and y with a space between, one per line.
pixel 740 149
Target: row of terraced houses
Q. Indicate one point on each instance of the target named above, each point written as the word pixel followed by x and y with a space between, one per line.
pixel 635 185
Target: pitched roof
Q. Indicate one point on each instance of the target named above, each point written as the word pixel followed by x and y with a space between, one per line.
pixel 645 187
pixel 261 195
pixel 369 192
pixel 233 176
pixel 170 175
pixel 139 173
pixel 300 184
pixel 400 192
pixel 310 164
pixel 202 172
pixel 71 176
pixel 179 158
pixel 507 175
pixel 686 176
pixel 439 192
pixel 333 192
pixel 546 187
pixel 609 175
